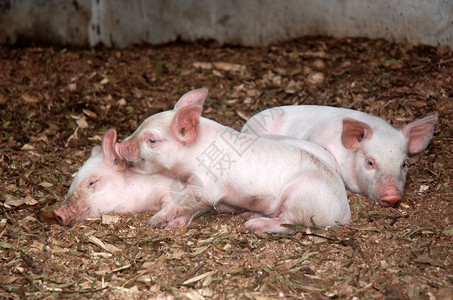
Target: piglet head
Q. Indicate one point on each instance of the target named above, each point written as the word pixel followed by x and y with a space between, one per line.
pixel 381 155
pixel 371 171
pixel 156 145
pixel 101 175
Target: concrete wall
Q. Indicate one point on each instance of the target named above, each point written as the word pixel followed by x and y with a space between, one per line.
pixel 243 22
pixel 41 21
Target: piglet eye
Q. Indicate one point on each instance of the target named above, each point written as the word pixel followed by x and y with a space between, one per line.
pixel 152 141
pixel 370 163
pixel 405 164
pixel 93 182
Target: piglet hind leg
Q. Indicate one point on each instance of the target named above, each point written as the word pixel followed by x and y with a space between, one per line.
pixel 313 197
pixel 271 225
pixel 249 215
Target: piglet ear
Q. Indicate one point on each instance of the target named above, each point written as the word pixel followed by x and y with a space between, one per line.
pixel 109 153
pixel 96 150
pixel 185 125
pixel 419 133
pixel 194 97
pixel 354 132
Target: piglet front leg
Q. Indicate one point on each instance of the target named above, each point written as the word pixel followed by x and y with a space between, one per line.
pixel 181 208
pixel 187 218
pixel 173 216
pixel 166 215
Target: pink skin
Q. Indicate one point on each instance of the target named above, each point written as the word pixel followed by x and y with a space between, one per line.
pixel 278 182
pixel 105 185
pixel 371 154
pixel 319 152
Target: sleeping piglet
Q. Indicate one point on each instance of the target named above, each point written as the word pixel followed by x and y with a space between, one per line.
pixel 371 154
pixel 276 182
pixel 105 185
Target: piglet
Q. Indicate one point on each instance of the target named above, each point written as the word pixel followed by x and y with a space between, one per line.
pixel 371 154
pixel 104 184
pixel 319 152
pixel 277 183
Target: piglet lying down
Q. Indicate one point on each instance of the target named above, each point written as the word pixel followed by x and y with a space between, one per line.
pixel 105 185
pixel 371 154
pixel 278 182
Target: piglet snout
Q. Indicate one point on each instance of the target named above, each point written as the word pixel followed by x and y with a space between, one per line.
pixel 61 217
pixel 387 192
pixel 390 200
pixel 128 149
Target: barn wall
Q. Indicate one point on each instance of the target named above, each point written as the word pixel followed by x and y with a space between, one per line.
pixel 243 22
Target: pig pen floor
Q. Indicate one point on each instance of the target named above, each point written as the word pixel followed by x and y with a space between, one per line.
pixel 55 105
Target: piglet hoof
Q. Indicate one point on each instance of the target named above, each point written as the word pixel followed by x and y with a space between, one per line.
pixel 181 220
pixel 157 222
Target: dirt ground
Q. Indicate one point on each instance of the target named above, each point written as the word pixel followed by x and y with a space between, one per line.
pixel 55 105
